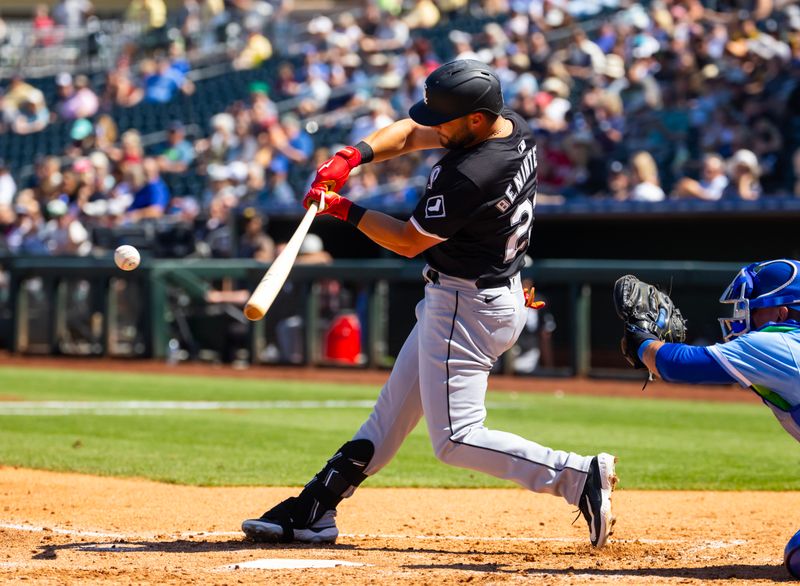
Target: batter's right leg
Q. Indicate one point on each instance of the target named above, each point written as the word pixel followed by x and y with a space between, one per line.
pixel 311 516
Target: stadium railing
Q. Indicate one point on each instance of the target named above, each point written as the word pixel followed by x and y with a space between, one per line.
pixel 85 306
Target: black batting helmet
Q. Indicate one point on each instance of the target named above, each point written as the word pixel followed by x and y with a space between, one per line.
pixel 456 89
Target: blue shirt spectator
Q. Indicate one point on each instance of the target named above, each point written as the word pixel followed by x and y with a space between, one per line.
pixel 154 193
pixel 151 199
pixel 162 83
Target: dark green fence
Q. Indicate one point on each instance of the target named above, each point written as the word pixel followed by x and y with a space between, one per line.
pixel 191 309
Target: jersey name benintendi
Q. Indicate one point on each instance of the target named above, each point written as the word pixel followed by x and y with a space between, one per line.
pixel 480 201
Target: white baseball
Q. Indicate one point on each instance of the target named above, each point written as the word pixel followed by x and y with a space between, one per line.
pixel 127 257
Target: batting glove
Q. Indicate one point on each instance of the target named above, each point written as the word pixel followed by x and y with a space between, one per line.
pixel 333 204
pixel 530 300
pixel 334 172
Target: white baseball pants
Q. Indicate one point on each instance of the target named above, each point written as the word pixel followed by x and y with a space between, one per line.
pixel 442 372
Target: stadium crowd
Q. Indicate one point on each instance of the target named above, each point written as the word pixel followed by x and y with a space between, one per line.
pixel 679 99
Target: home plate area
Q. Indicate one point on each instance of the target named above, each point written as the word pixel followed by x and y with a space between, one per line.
pixel 76 529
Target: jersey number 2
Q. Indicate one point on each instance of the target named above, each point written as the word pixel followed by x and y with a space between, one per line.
pixel 521 219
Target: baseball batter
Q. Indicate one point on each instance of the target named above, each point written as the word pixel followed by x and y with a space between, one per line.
pixel 473 225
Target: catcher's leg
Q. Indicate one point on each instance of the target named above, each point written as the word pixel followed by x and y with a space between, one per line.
pixel 311 516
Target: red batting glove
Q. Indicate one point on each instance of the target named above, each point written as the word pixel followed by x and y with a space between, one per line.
pixel 334 172
pixel 329 202
pixel 529 299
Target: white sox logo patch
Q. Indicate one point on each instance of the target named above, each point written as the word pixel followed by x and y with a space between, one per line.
pixel 425 93
pixel 434 174
pixel 434 207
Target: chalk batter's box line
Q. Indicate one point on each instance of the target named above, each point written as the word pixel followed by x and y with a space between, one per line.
pixel 701 544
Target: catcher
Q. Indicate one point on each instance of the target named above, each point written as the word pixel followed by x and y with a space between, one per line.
pixel 760 348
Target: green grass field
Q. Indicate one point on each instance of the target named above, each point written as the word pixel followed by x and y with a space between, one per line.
pixel 661 444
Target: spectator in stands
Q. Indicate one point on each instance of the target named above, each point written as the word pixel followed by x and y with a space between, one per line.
pixel 743 174
pixel 257 49
pixel 8 187
pixel 767 144
pixel 254 242
pixel 64 234
pixel 7 220
pixel 75 100
pixel 72 14
pixel 179 153
pixel 33 116
pixel 162 82
pixel 711 185
pixel 582 58
pixel 105 133
pixel 263 112
pixel 380 115
pixel 645 184
pixel 103 178
pixel 82 136
pixel 292 141
pixel 219 185
pixel 619 184
pixel 278 190
pixel 151 195
pixel 314 92
pixel 120 90
pixel 152 14
pixel 3 33
pixel 131 151
pixel 216 233
pixel 23 237
pixel 795 187
pixel 84 182
pixel 43 26
pixel 424 14
pixel 214 149
pixel 18 93
pixel 46 181
pixel 244 145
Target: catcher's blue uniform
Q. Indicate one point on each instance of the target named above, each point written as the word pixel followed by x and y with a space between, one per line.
pixel 766 360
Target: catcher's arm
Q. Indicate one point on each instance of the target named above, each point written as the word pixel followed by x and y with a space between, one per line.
pixel 648 355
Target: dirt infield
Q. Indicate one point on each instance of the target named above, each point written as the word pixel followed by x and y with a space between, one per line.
pixel 69 528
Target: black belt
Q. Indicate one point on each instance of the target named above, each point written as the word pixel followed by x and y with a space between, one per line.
pixel 482 283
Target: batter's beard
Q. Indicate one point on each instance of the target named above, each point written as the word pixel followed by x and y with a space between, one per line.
pixel 458 142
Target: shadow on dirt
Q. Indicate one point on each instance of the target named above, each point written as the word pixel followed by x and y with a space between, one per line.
pixel 51 551
pixel 775 573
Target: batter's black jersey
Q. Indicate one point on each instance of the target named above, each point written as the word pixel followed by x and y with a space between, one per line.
pixel 479 201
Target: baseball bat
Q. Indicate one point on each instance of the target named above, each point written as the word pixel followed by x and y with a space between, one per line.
pixel 273 280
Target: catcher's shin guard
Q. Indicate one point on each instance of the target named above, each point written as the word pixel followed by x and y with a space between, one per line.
pixel 310 517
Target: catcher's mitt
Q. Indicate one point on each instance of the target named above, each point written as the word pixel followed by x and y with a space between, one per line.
pixel 649 314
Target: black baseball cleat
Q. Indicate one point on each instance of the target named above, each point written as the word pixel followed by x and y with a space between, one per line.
pixel 595 501
pixel 279 524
